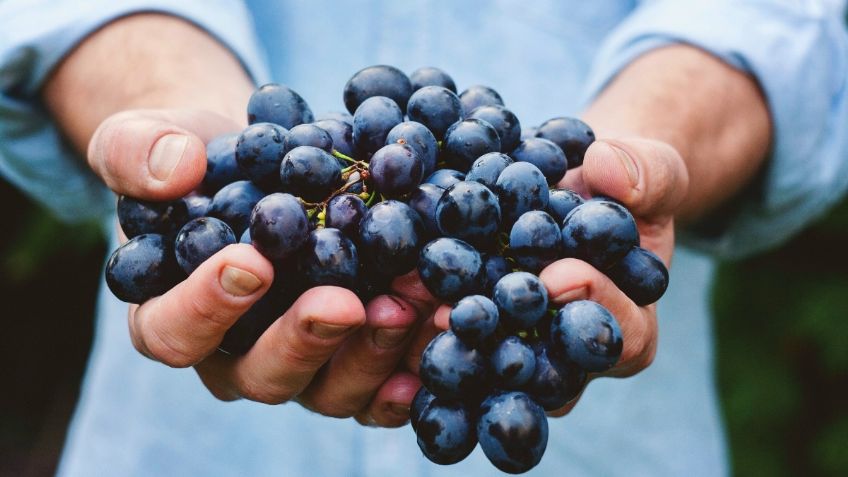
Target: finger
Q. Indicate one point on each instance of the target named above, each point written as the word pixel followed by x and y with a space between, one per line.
pixel 569 406
pixel 155 154
pixel 390 406
pixel 423 335
pixel 410 287
pixel 355 372
pixel 571 279
pixel 291 351
pixel 441 317
pixel 187 323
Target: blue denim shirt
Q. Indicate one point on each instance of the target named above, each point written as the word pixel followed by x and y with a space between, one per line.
pixel 546 58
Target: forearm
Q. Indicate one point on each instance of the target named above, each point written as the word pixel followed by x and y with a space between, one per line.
pixel 714 115
pixel 144 61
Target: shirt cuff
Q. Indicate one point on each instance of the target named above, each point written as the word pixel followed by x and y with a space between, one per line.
pixel 798 52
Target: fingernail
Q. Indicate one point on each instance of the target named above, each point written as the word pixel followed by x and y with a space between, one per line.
pixel 399 409
pixel 166 154
pixel 386 338
pixel 327 331
pixel 628 163
pixel 571 295
pixel 238 282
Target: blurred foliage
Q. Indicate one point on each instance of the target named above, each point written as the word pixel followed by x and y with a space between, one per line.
pixel 782 336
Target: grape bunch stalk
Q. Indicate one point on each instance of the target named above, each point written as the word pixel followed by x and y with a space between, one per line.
pixel 414 177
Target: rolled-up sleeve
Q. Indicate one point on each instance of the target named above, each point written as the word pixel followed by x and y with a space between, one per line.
pixel 798 52
pixel 35 35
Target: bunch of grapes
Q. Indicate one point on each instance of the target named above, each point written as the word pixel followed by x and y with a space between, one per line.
pixel 417 177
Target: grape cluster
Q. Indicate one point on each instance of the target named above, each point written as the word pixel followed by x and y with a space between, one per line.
pixel 417 177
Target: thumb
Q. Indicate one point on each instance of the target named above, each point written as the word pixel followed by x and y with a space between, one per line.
pixel 155 154
pixel 649 177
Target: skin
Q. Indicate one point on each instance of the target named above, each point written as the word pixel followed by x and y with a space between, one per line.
pixel 679 133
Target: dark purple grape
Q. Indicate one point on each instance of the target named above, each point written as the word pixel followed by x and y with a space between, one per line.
pixel 435 107
pixel 341 133
pixel 417 136
pixel 599 232
pixel 139 217
pixel 310 173
pixel 278 225
pixel 467 140
pixel 450 269
pixel 572 135
pixel 259 151
pixel 521 298
pixel 142 268
pixel 422 399
pixel 395 170
pixel 445 178
pixel 521 187
pixel 372 121
pixel 199 239
pixel 555 382
pixel 535 241
pixel 390 237
pixel 308 135
pixel 378 80
pixel 473 320
pixel 197 205
pixel 505 123
pixel 585 333
pixel 371 283
pixel 641 275
pixel 513 363
pixel 278 104
pixel 494 268
pixel 329 258
pixel 423 200
pixel 344 212
pixel 561 202
pixel 446 432
pixel 527 133
pixel 487 168
pixel 471 212
pixel 513 431
pixel 342 116
pixel 430 76
pixel 543 154
pixel 451 370
pixel 479 95
pixel 234 203
pixel 221 165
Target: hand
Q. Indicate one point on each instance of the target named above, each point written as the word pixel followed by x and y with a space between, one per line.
pixel 328 351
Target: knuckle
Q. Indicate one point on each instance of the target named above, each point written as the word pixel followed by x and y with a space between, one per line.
pixel 169 350
pixel 217 315
pixel 263 392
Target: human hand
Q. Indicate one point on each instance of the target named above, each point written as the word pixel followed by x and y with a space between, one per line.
pixel 328 351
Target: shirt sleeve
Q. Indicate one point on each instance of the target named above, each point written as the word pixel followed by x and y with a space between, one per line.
pixel 798 52
pixel 35 35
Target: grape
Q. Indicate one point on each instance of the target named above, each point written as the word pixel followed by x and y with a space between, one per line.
pixel 487 168
pixel 341 133
pixel 504 121
pixel 139 217
pixel 308 135
pixel 390 237
pixel 555 382
pixel 422 399
pixel 278 104
pixel 418 137
pixel 535 241
pixel 379 80
pixel 641 275
pixel 372 121
pixel 278 225
pixel 142 268
pixel 561 202
pixel 423 200
pixel 527 133
pixel 221 165
pixel 310 173
pixel 473 320
pixel 521 187
pixel 430 76
pixel 479 95
pixel 545 155
pixel 197 205
pixel 586 334
pixel 513 431
pixel 344 212
pixel 513 363
pixel 259 151
pixel 450 269
pixel 467 140
pixel 199 239
pixel 599 232
pixel 342 116
pixel 451 370
pixel 445 178
pixel 469 211
pixel 234 203
pixel 521 298
pixel 395 170
pixel 446 432
pixel 329 258
pixel 494 268
pixel 435 107
pixel 572 135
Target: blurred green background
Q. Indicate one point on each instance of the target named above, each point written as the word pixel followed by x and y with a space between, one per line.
pixel 782 338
